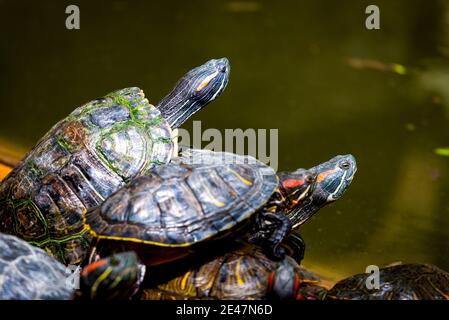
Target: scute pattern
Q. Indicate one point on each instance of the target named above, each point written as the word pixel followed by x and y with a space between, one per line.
pixel 79 163
pixel 28 273
pixel 400 282
pixel 241 274
pixel 179 204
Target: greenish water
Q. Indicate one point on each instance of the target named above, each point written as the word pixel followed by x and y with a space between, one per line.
pixel 290 71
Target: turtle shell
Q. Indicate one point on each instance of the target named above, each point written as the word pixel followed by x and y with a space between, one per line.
pixel 245 273
pixel 180 204
pixel 28 273
pixel 399 282
pixel 76 165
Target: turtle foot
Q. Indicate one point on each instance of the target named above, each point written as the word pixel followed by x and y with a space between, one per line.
pixel 272 229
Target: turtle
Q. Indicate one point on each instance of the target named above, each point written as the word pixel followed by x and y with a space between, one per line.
pixel 169 281
pixel 117 277
pixel 29 273
pixel 411 281
pixel 179 207
pixel 93 152
pixel 333 178
pixel 243 273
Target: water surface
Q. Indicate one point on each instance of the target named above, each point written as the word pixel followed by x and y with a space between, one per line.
pixel 308 68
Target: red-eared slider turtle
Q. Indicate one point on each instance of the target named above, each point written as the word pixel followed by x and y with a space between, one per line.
pixel 245 273
pixel 28 273
pixel 117 277
pixel 333 179
pixel 399 282
pixel 215 272
pixel 93 152
pixel 177 206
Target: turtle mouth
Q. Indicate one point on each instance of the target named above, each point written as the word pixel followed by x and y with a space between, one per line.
pixel 340 186
pixel 349 179
pixel 305 194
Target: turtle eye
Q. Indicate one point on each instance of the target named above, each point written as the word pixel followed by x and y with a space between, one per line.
pixel 345 165
pixel 309 178
pixel 114 261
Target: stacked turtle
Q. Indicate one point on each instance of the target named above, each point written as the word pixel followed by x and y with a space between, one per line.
pixel 194 206
pixel 105 169
pixel 102 189
pixel 28 272
pixel 211 195
pixel 91 153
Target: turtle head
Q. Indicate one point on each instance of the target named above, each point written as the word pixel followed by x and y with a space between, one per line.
pixel 290 281
pixel 195 90
pixel 333 178
pixel 297 185
pixel 116 277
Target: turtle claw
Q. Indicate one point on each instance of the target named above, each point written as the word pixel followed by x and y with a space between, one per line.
pixel 295 246
pixel 273 251
pixel 276 252
pixel 271 231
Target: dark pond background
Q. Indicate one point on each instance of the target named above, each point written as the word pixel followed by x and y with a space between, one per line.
pixel 309 68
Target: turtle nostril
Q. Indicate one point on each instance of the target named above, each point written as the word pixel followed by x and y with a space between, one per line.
pixel 223 69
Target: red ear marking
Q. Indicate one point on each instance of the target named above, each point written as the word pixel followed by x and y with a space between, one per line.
pixel 296 283
pixel 93 266
pixel 270 282
pixel 291 183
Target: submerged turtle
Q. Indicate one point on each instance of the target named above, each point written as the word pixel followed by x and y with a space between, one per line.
pixel 177 206
pixel 28 273
pixel 93 152
pixel 399 282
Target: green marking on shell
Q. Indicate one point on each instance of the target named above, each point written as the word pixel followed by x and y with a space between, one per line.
pixel 28 203
pixel 155 121
pixel 119 127
pixel 105 159
pixel 121 100
pixel 60 240
pixel 66 141
pixel 164 140
pixel 136 112
pixel 157 162
pixel 63 144
pixel 35 169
